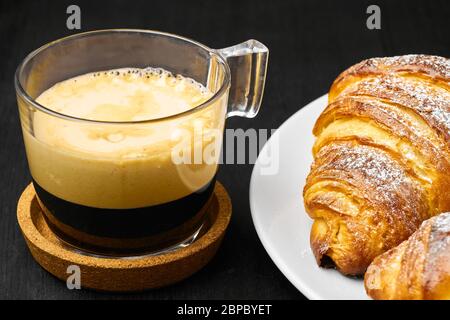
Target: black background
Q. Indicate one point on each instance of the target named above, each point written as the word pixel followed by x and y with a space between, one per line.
pixel 310 43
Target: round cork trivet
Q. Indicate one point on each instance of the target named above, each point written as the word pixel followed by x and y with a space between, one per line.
pixel 122 274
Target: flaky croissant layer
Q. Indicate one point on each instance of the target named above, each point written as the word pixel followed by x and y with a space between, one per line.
pixel 419 268
pixel 381 159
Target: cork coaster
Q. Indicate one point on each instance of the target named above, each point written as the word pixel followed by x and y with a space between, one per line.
pixel 122 274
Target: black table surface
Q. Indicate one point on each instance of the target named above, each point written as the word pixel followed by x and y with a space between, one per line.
pixel 310 42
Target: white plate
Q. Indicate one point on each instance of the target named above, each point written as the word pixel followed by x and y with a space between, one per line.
pixel 277 209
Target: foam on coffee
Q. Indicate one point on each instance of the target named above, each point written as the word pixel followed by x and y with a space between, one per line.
pixel 124 95
pixel 115 165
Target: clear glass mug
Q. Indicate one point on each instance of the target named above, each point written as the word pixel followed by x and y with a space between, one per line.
pixel 142 198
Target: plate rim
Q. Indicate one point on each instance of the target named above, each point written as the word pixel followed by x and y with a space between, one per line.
pixel 273 254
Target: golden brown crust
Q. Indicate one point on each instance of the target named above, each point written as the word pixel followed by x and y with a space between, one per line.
pixel 382 158
pixel 392 118
pixel 432 103
pixel 432 68
pixel 417 269
pixel 387 199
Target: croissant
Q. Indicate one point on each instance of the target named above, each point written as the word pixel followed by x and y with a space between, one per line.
pixel 381 159
pixel 419 268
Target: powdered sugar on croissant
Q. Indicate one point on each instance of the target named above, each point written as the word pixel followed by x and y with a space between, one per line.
pixel 381 159
pixel 419 268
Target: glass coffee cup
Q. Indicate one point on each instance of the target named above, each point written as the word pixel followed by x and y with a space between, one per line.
pixel 129 185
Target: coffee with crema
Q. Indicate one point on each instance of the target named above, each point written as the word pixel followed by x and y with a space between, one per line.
pixel 112 181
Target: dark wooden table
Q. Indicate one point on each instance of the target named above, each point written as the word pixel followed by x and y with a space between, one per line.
pixel 310 43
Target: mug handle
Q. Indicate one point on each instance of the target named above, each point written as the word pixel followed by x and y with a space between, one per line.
pixel 248 66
